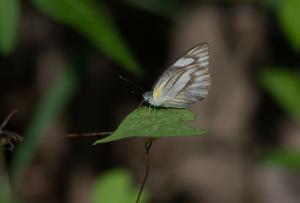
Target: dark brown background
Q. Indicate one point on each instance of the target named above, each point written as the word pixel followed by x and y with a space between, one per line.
pixel 242 119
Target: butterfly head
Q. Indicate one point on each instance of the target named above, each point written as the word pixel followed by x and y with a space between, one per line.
pixel 148 96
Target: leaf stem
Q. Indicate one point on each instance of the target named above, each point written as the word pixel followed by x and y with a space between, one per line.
pixel 148 145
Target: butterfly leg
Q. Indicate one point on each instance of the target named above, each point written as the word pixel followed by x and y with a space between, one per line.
pixel 155 109
pixel 149 112
pixel 141 104
pixel 151 108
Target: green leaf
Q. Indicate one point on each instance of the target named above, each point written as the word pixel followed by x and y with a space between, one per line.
pixel 115 187
pixel 287 159
pixel 289 17
pixel 48 108
pixel 91 20
pixel 156 124
pixel 9 20
pixel 284 87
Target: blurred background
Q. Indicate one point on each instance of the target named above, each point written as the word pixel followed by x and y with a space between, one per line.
pixel 60 63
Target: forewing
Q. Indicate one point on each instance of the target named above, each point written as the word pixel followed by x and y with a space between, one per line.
pixel 187 80
pixel 198 52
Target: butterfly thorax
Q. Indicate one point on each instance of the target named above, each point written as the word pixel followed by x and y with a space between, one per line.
pixel 153 99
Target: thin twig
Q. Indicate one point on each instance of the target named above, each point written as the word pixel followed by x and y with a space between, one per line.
pixel 148 145
pixel 88 134
pixel 7 138
pixel 11 138
pixel 4 123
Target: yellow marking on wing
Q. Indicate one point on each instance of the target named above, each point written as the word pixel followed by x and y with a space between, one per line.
pixel 157 91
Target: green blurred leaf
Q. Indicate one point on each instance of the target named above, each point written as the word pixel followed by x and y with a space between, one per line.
pixel 9 20
pixel 288 159
pixel 48 108
pixel 5 187
pixel 289 17
pixel 161 123
pixel 115 187
pixel 284 87
pixel 91 20
pixel 271 4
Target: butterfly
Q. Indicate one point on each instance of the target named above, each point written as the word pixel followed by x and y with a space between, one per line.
pixel 185 82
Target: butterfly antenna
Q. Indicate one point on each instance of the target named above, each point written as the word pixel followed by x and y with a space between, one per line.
pixel 142 102
pixel 132 84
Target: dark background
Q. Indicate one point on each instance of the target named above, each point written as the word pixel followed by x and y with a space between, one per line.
pixel 251 151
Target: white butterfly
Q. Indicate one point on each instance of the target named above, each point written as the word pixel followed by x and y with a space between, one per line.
pixel 185 82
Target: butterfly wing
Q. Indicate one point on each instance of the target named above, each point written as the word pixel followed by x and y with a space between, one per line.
pixel 186 81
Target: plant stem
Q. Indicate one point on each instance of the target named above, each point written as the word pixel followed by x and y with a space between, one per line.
pixel 148 145
pixel 88 134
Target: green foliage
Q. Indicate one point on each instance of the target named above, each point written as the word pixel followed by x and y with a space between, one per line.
pixel 9 20
pixel 50 106
pixel 115 187
pixel 92 21
pixel 159 123
pixel 5 189
pixel 289 16
pixel 284 87
pixel 287 159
